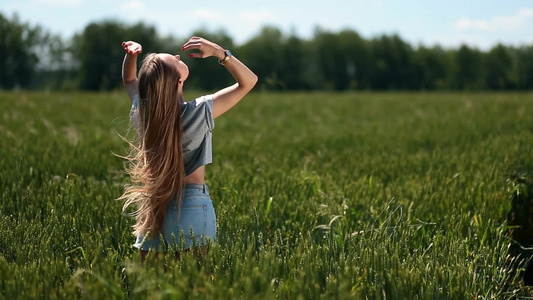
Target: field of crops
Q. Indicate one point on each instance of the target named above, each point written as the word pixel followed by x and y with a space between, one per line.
pixel 318 195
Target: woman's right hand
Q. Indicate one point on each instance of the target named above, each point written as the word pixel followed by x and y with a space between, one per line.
pixel 226 98
pixel 207 48
pixel 132 48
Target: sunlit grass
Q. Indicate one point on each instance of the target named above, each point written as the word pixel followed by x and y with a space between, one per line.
pixel 318 195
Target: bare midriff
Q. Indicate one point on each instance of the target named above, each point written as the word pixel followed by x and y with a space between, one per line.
pixel 197 176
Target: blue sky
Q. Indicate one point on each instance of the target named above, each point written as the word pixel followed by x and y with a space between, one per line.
pixel 449 23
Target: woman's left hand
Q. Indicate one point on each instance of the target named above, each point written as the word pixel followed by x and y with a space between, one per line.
pixel 207 48
pixel 132 48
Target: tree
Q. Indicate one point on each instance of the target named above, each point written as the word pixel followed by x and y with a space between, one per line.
pixel 393 66
pixel 263 55
pixel 100 55
pixel 357 57
pixel 18 59
pixel 57 68
pixel 293 69
pixel 470 72
pixel 499 68
pixel 331 61
pixel 31 57
pixel 523 67
pixel 430 68
pixel 98 50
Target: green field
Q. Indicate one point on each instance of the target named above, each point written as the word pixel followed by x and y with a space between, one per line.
pixel 318 195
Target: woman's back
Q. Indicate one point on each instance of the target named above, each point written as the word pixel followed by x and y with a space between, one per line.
pixel 174 144
pixel 197 124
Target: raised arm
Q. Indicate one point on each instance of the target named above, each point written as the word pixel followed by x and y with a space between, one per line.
pixel 226 98
pixel 129 66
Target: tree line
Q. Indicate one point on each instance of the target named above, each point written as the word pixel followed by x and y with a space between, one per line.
pixel 33 58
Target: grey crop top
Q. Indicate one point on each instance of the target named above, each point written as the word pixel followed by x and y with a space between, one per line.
pixel 197 123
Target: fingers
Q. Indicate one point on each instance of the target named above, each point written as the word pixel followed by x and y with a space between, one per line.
pixel 206 47
pixel 198 43
pixel 194 43
pixel 189 46
pixel 132 47
pixel 195 40
pixel 197 55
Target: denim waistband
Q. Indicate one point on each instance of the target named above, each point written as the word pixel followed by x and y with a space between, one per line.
pixel 202 187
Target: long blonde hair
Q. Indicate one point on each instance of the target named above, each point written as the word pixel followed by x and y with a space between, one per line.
pixel 156 164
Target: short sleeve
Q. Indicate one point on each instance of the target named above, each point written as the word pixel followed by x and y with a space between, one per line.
pixel 133 92
pixel 205 103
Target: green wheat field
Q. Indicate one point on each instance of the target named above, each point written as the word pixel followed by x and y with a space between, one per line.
pixel 318 196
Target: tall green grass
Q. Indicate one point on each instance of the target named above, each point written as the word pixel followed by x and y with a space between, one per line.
pixel 318 195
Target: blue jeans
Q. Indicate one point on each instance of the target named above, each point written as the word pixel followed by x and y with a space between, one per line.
pixel 197 222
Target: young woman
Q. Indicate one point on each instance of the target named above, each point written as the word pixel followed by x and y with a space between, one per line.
pixel 167 164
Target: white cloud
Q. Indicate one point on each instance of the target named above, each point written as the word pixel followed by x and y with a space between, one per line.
pixel 60 2
pixel 132 5
pixel 516 22
pixel 206 15
pixel 467 24
pixel 472 40
pixel 526 12
pixel 369 5
pixel 258 17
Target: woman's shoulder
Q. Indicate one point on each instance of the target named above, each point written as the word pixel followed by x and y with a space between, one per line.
pixel 199 109
pixel 200 103
pixel 203 99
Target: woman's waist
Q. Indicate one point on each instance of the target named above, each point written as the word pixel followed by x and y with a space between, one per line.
pixel 194 192
pixel 196 188
pixel 196 177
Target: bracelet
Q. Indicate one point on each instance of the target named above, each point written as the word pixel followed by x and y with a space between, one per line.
pixel 226 58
